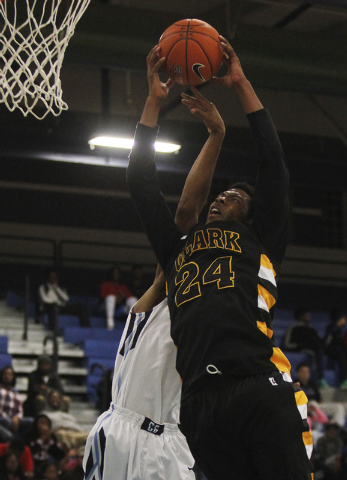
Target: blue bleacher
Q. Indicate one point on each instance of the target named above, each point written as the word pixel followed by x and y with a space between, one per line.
pixel 3 344
pixel 97 322
pixel 78 335
pixel 5 359
pixel 100 348
pixel 65 321
pixel 297 357
pixel 13 300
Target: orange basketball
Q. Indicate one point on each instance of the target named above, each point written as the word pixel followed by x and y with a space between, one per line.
pixel 193 51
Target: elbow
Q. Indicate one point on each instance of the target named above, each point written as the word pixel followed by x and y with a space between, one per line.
pixel 185 218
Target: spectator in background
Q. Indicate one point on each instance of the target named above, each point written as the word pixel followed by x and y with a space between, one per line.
pixel 23 452
pixel 10 468
pixel 64 425
pixel 334 410
pixel 41 382
pixel 335 347
pixel 328 450
pixel 50 472
pixel 114 293
pixel 138 285
pixel 53 298
pixel 44 445
pixel 302 337
pixel 341 467
pixel 12 422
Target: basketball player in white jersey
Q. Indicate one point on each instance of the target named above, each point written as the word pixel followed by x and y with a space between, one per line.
pixel 138 437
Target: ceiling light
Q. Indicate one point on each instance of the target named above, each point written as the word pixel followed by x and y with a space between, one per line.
pixel 117 142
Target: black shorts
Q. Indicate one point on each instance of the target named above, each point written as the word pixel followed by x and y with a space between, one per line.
pixel 254 428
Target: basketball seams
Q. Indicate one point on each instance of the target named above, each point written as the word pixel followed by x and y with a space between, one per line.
pixel 186 56
pixel 172 46
pixel 182 59
pixel 206 35
pixel 206 55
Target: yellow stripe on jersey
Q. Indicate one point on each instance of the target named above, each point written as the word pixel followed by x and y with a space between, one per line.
pixel 300 398
pixel 265 297
pixel 266 269
pixel 264 328
pixel 308 442
pixel 280 360
pixel 301 402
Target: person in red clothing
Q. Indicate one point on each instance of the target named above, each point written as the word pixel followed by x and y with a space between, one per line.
pixel 23 452
pixel 114 293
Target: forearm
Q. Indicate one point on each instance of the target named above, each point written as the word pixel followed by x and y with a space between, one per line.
pixel 145 192
pixel 198 183
pixel 150 112
pixel 149 300
pixel 248 98
pixel 62 294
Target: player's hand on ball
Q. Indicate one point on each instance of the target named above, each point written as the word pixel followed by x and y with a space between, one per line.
pixel 234 73
pixel 157 88
pixel 201 107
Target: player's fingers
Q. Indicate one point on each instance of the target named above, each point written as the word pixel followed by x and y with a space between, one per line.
pixel 158 64
pixel 197 94
pixel 170 83
pixel 151 53
pixel 187 97
pixel 217 80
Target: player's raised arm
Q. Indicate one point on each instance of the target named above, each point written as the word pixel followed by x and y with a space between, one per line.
pixel 198 182
pixel 142 176
pixel 270 200
pixel 154 295
pixel 158 90
pixel 235 78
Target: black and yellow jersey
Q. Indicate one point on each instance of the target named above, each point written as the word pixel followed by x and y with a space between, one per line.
pixel 222 276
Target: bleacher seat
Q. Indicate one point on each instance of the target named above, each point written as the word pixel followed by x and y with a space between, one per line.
pixel 67 321
pixel 13 300
pixel 100 348
pixel 3 343
pixel 5 359
pixel 297 357
pixel 97 322
pixel 78 335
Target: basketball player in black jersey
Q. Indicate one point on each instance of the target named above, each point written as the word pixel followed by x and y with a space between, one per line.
pixel 241 414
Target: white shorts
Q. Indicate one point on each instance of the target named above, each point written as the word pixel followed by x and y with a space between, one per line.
pixel 124 445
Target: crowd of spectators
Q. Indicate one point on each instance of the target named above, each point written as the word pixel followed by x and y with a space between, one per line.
pixel 44 442
pixel 116 296
pixel 327 420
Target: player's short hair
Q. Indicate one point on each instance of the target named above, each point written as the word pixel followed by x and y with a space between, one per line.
pixel 249 189
pixel 246 187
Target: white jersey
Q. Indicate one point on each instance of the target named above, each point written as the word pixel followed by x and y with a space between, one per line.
pixel 138 437
pixel 145 378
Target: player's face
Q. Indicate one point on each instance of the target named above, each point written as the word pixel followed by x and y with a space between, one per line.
pixel 230 205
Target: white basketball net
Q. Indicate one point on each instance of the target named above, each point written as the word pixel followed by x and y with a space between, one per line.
pixel 33 37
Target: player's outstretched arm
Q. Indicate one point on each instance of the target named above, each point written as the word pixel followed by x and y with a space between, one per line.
pixel 154 295
pixel 235 78
pixel 158 90
pixel 142 176
pixel 270 200
pixel 198 182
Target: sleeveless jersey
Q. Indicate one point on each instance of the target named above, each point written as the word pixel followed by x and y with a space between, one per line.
pixel 145 377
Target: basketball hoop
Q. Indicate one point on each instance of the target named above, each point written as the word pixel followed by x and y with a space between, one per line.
pixel 33 40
